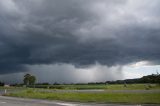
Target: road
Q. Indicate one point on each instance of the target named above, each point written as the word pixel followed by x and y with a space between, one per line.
pixel 10 101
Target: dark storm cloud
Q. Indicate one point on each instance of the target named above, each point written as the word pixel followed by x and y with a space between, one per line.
pixel 67 73
pixel 79 32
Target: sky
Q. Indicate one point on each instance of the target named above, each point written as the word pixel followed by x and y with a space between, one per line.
pixel 75 41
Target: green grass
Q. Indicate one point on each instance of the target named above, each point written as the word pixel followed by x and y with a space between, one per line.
pixel 98 86
pixel 103 86
pixel 105 97
pixel 78 87
pixel 98 97
pixel 134 87
pixel 1 88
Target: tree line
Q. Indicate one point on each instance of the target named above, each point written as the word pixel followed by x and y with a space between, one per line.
pixel 154 78
pixel 1 83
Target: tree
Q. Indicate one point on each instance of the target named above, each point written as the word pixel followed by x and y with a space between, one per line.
pixel 32 80
pixel 1 84
pixel 29 79
pixel 26 79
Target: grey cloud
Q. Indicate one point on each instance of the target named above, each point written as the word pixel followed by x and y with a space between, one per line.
pixel 77 32
pixel 67 73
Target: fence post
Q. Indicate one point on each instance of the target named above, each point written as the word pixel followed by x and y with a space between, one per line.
pixel 5 91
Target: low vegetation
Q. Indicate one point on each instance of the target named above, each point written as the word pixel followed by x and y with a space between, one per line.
pixel 106 97
pixel 102 86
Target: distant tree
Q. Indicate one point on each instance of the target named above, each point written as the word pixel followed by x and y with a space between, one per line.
pixel 29 79
pixel 1 84
pixel 26 79
pixel 32 80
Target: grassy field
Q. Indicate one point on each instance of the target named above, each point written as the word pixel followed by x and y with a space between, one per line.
pixel 105 97
pixel 103 86
pixel 98 86
pixel 1 88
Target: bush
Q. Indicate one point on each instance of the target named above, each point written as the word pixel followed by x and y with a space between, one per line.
pixel 30 91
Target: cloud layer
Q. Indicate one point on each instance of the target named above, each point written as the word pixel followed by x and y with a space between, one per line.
pixel 78 32
pixel 67 73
